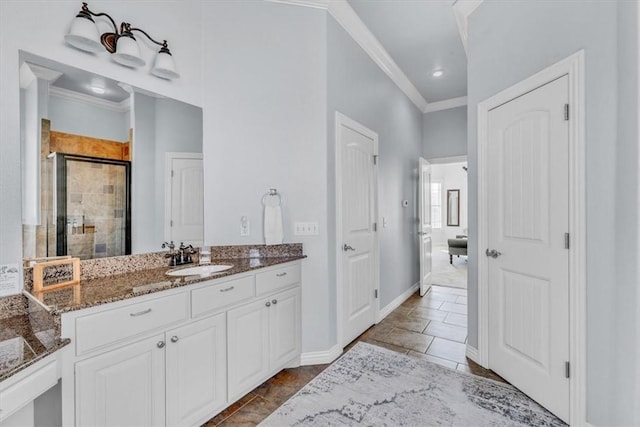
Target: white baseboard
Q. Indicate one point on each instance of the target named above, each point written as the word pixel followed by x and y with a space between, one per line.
pixel 320 357
pixel 384 312
pixel 473 354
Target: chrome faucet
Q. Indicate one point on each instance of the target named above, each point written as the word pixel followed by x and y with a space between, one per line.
pixel 172 255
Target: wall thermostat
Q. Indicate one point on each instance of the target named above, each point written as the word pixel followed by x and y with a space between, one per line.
pixel 405 203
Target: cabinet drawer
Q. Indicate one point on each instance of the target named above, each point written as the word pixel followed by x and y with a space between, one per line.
pixel 277 279
pixel 205 300
pixel 96 330
pixel 26 390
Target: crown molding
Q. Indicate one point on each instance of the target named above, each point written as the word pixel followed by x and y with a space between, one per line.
pixel 445 104
pixel 120 107
pixel 462 9
pixel 29 72
pixel 344 14
pixel 316 4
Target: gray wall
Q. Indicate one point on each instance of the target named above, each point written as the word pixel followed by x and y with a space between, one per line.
pixel 444 133
pixel 160 125
pixel 265 127
pixel 358 88
pixel 627 354
pixel 509 41
pixel 80 118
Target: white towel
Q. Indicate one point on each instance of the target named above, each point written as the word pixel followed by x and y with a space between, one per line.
pixel 273 229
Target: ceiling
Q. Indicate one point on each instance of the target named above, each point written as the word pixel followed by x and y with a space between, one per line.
pixel 421 36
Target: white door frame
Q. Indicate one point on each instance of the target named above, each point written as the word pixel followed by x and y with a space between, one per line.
pixel 341 120
pixel 574 67
pixel 168 158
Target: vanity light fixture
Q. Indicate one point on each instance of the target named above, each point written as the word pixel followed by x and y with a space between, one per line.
pixel 84 35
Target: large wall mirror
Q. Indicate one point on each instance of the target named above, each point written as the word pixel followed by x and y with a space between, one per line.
pixel 453 208
pixel 108 169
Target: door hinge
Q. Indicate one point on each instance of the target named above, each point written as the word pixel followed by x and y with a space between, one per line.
pixel 375 293
pixel 566 240
pixel 375 226
pixel 566 111
pixel 375 159
pixel 171 173
pixel 567 370
pixel 171 223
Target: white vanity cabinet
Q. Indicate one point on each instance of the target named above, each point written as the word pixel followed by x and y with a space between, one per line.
pixel 262 338
pixel 180 375
pixel 178 357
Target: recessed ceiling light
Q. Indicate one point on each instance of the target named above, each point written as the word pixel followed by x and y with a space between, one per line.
pixel 97 89
pixel 437 73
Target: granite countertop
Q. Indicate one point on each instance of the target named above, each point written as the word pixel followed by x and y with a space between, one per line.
pixel 103 290
pixel 28 334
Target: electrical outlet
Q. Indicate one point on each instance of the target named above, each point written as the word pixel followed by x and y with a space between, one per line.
pixel 305 229
pixel 245 228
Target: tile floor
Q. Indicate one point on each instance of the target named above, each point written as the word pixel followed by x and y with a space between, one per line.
pixel 433 327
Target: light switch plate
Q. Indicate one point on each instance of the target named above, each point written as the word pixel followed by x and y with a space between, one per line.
pixel 245 226
pixel 305 229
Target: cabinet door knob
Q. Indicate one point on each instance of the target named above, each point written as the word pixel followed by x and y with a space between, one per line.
pixel 268 304
pixel 274 301
pixel 174 339
pixel 160 344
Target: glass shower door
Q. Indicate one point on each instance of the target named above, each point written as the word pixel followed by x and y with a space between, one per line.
pixel 93 204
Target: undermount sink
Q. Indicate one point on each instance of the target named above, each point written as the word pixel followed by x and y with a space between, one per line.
pixel 202 270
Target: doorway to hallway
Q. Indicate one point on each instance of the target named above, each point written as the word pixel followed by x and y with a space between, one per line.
pixel 449 222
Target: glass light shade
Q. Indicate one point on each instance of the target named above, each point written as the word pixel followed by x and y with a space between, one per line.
pixel 164 66
pixel 128 52
pixel 83 34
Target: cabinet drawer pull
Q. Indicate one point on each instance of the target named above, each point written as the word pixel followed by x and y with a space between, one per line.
pixel 174 338
pixel 268 304
pixel 140 313
pixel 160 344
pixel 275 301
pixel 281 274
pixel 227 289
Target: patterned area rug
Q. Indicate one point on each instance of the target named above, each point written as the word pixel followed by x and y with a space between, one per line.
pixel 443 273
pixel 373 386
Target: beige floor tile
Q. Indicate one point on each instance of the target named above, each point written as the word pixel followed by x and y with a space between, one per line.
pixel 447 349
pixel 434 359
pixel 443 330
pixel 428 313
pixel 429 302
pixel 456 319
pixel 407 339
pixel 415 324
pixel 454 308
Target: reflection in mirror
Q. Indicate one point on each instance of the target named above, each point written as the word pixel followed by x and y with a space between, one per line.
pixel 107 169
pixel 453 208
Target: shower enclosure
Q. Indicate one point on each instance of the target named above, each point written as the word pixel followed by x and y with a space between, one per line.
pixel 89 206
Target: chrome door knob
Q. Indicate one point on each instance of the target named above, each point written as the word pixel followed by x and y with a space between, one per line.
pixel 492 253
pixel 174 339
pixel 347 248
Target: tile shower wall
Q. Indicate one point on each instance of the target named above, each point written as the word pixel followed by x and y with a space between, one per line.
pixel 95 210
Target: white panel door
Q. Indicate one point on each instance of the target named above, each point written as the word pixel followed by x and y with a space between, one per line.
pixel 185 199
pixel 196 370
pixel 284 327
pixel 528 203
pixel 358 246
pixel 424 234
pixel 248 347
pixel 123 387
